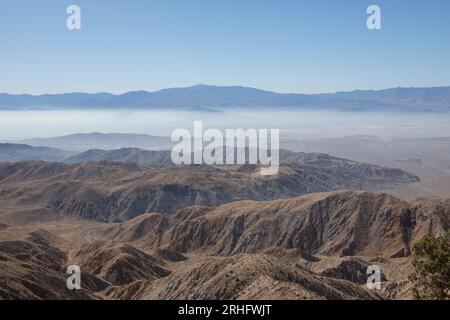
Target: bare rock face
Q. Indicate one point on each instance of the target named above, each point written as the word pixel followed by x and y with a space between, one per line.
pixel 348 268
pixel 120 264
pixel 342 223
pixel 36 270
pixel 244 277
pixel 169 255
pixel 437 223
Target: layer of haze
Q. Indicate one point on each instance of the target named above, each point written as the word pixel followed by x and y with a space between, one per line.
pixel 16 125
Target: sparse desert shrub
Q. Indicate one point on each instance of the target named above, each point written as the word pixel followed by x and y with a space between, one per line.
pixel 431 260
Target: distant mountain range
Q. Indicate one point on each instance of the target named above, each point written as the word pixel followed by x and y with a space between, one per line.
pixel 206 97
pixel 133 155
pixel 80 142
pixel 21 152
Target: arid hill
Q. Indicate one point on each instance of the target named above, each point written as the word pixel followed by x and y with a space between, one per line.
pixel 341 223
pixel 241 277
pixel 197 232
pixel 316 246
pixel 108 191
pixel 34 269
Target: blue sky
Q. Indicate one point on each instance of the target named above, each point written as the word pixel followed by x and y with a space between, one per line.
pixel 279 45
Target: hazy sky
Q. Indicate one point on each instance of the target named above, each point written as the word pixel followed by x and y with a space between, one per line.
pixel 279 45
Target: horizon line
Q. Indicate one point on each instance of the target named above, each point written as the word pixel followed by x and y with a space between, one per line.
pixel 224 86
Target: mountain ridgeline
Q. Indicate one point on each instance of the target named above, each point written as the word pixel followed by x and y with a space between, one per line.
pixel 205 97
pixel 111 191
pixel 317 246
pixel 142 228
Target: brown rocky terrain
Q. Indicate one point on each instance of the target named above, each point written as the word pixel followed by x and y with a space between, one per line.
pixel 120 264
pixel 316 246
pixel 34 269
pixel 195 232
pixel 341 223
pixel 242 277
pixel 115 191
